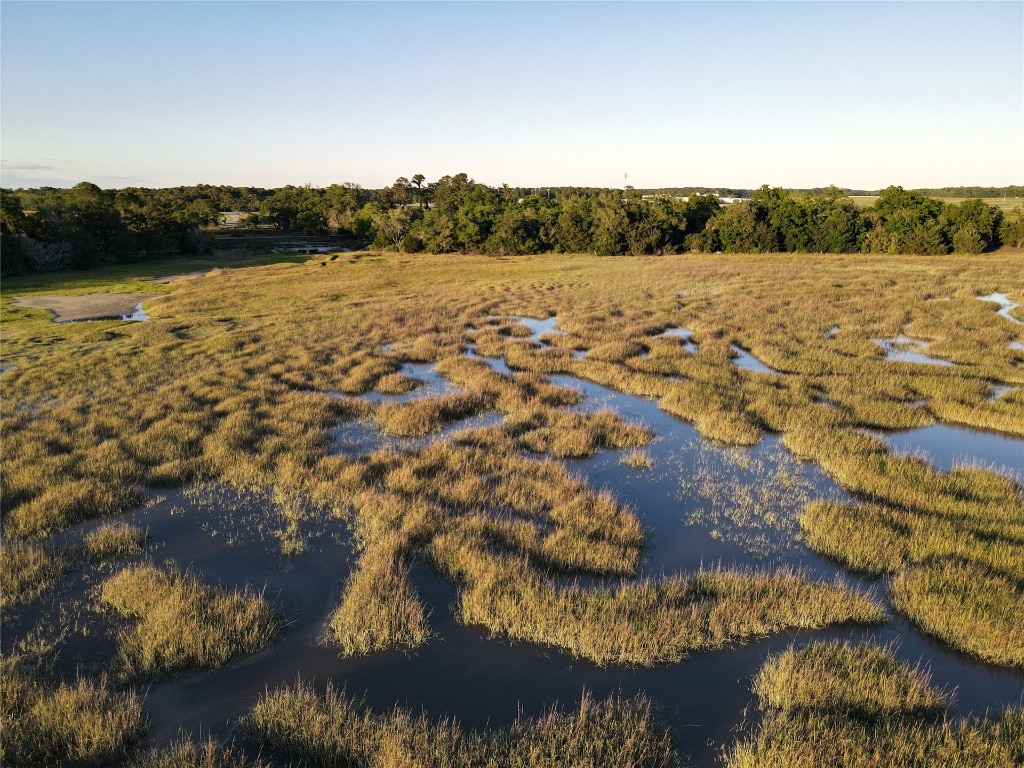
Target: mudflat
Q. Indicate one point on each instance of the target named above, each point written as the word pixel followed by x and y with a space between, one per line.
pixel 89 306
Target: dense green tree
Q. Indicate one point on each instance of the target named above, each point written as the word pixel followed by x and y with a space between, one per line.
pixel 972 226
pixel 610 224
pixel 12 216
pixel 742 228
pixel 575 225
pixel 436 231
pixel 1011 231
pixel 699 210
pixel 476 216
pixel 835 223
pixel 909 221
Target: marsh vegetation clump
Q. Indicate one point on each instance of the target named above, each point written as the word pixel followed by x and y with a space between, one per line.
pixel 858 707
pixel 421 417
pixel 880 539
pixel 26 571
pixel 574 435
pixel 637 459
pixel 865 681
pixel 967 606
pixel 331 730
pixel 647 622
pixel 113 540
pixel 177 621
pixel 953 544
pixel 379 608
pixel 83 722
pixel 186 753
pixel 396 384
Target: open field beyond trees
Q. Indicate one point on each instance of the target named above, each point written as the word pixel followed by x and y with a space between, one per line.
pixel 303 473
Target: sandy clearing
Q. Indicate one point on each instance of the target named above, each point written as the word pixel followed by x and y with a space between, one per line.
pixel 90 306
pixel 168 279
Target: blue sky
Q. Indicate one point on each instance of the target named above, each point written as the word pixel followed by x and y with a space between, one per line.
pixel 731 94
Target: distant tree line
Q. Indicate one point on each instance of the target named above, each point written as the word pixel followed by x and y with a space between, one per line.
pixel 1010 191
pixel 48 228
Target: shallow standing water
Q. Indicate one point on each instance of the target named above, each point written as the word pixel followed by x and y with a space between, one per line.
pixel 746 360
pixel 946 446
pixel 904 349
pixel 463 672
pixel 1005 306
pixel 685 335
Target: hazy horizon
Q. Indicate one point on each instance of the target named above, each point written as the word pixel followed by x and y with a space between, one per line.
pixel 860 95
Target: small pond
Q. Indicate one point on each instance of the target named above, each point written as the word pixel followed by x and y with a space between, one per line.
pixel 904 349
pixel 1005 306
pixel 745 360
pixel 432 384
pixel 946 446
pixel 497 364
pixel 998 390
pixel 138 315
pixel 539 327
pixel 684 334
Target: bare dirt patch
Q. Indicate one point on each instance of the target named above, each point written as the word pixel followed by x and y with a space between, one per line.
pixel 168 279
pixel 90 306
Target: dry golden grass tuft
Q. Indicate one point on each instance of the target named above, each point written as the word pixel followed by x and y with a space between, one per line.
pixel 80 723
pixel 187 754
pixel 331 730
pixel 26 571
pixel 178 622
pixel 858 707
pixel 864 681
pixel 113 540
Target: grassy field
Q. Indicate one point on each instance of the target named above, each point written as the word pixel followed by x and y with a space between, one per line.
pixel 241 375
pixel 1005 204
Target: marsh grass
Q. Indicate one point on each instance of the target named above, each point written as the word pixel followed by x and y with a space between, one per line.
pixel 396 384
pixel 421 417
pixel 113 540
pixel 79 723
pixel 863 681
pixel 332 731
pixel 969 607
pixel 27 571
pixel 637 459
pixel 186 753
pixel 878 539
pixel 178 622
pixel 955 555
pixel 574 435
pixel 831 704
pixel 379 608
pixel 645 622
